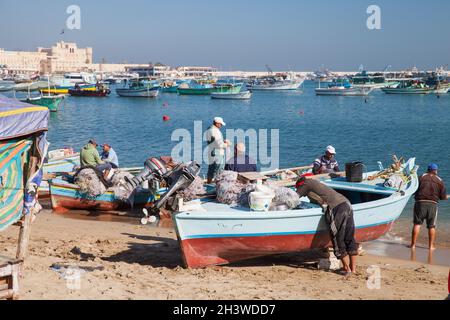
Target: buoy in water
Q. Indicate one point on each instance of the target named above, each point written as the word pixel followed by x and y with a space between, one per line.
pixel 302 113
pixel 166 118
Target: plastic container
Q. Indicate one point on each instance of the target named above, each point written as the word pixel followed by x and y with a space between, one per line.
pixel 261 201
pixel 354 171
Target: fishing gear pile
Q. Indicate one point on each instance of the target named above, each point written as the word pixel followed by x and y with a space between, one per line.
pixel 195 189
pixel 228 187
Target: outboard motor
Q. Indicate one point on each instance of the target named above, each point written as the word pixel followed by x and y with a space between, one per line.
pixel 178 179
pixel 153 169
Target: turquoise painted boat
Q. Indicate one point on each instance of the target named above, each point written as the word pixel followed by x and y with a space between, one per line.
pixel 65 196
pixel 195 88
pixel 52 102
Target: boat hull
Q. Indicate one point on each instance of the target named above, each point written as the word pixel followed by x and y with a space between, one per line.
pixel 281 86
pixel 65 89
pixel 138 93
pixel 68 197
pixel 195 91
pixel 406 91
pixel 51 102
pixel 217 251
pixel 361 91
pixel 89 93
pixel 223 235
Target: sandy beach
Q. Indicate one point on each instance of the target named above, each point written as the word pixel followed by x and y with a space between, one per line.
pixel 121 260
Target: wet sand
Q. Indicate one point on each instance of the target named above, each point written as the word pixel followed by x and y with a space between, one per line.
pixel 122 260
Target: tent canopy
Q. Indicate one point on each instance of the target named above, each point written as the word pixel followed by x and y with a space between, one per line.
pixel 18 119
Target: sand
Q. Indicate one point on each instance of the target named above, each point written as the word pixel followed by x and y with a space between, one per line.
pixel 125 261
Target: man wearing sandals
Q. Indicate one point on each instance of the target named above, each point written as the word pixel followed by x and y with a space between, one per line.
pixel 339 217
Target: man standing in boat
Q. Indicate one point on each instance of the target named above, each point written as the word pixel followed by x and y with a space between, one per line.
pixel 327 163
pixel 431 191
pixel 216 149
pixel 339 217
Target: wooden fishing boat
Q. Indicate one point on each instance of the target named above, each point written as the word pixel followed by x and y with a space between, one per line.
pixel 66 196
pixel 89 93
pixel 139 88
pixel 52 102
pixel 195 88
pixel 244 95
pixel 63 89
pixel 409 86
pixel 343 87
pixel 217 234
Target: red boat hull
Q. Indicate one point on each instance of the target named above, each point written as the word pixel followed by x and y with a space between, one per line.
pixel 217 251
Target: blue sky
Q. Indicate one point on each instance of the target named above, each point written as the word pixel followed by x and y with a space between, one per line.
pixel 240 34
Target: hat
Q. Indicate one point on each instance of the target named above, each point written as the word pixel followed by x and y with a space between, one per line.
pixel 432 167
pixel 301 181
pixel 219 120
pixel 331 150
pixel 106 144
pixel 92 141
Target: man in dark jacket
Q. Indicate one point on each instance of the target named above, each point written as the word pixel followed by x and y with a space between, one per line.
pixel 339 217
pixel 241 162
pixel 431 191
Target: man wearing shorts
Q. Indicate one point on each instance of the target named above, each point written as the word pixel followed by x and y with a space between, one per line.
pixel 431 191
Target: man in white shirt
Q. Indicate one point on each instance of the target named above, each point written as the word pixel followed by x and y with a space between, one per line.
pixel 217 147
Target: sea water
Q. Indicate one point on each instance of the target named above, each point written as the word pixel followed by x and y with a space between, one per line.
pixel 367 129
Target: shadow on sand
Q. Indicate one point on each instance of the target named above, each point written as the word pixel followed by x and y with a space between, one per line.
pixel 165 252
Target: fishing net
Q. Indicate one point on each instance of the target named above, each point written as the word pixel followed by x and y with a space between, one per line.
pixel 194 189
pixel 286 196
pixel 244 196
pixel 228 187
pixel 89 183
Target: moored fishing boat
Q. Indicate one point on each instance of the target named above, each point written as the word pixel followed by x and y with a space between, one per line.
pixel 343 88
pixel 66 196
pixel 218 234
pixel 409 86
pixel 100 92
pixel 286 81
pixel 375 80
pixel 52 102
pixel 243 95
pixel 231 91
pixel 196 88
pixel 139 88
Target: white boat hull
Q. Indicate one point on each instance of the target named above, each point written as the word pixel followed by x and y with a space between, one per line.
pixel 232 96
pixel 291 85
pixel 140 93
pixel 355 91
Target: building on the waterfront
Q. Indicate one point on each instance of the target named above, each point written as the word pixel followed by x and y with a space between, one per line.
pixel 61 58
pixel 65 57
pixel 196 71
pixel 152 70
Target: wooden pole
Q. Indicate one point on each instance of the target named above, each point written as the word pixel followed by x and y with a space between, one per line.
pixel 24 237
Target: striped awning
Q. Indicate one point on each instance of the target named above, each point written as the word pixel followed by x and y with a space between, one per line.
pixel 13 156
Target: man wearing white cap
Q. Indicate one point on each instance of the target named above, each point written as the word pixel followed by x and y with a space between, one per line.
pixel 327 163
pixel 216 149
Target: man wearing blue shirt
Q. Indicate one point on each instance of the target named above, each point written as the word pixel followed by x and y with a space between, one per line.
pixel 110 156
